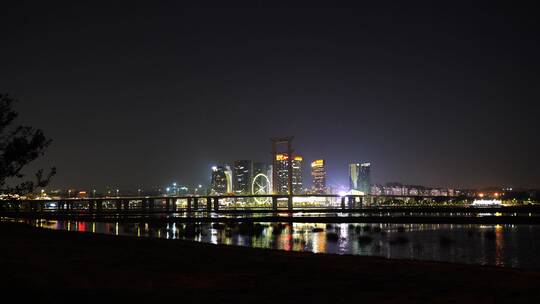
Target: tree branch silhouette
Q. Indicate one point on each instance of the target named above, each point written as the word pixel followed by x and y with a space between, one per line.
pixel 19 146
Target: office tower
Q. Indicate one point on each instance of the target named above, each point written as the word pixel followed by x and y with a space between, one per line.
pixel 360 177
pixel 281 174
pixel 318 176
pixel 221 180
pixel 365 178
pixel 259 167
pixel 243 174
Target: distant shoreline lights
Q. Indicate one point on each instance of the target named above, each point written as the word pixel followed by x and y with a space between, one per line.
pixel 486 202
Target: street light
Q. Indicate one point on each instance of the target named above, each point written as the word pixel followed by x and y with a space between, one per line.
pixel 94 193
pixel 69 193
pixel 117 192
pixel 139 192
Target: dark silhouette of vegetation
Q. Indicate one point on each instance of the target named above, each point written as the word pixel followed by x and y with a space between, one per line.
pixel 19 146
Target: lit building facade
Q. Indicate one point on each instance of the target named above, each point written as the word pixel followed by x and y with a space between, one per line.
pixel 318 176
pixel 360 177
pixel 281 174
pixel 297 174
pixel 259 168
pixel 221 182
pixel 243 174
pixel 398 189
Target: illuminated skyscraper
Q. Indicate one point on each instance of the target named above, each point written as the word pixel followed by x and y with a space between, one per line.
pixel 259 168
pixel 243 173
pixel 270 174
pixel 221 180
pixel 281 174
pixel 360 177
pixel 365 178
pixel 297 174
pixel 318 176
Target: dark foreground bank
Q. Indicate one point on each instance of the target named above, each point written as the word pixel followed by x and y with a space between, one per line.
pixel 61 266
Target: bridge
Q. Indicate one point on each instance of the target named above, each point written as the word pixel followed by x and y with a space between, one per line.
pixel 208 203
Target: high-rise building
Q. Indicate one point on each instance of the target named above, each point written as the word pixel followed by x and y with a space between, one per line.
pixel 281 174
pixel 354 170
pixel 365 177
pixel 243 173
pixel 297 174
pixel 318 176
pixel 221 180
pixel 270 174
pixel 360 177
pixel 259 167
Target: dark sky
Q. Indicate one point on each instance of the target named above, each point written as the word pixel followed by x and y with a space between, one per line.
pixel 141 93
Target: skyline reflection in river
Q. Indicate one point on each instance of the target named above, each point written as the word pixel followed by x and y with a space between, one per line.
pixel 499 245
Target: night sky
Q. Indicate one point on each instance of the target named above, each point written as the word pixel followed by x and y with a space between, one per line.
pixel 141 93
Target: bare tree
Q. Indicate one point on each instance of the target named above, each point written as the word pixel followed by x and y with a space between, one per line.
pixel 19 146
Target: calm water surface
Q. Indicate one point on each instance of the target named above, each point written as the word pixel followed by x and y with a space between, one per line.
pixel 500 245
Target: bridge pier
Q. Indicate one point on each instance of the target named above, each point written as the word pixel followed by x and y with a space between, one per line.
pixel 145 204
pixel 216 204
pixel 118 205
pixel 167 204
pixel 274 203
pixel 174 204
pixel 290 203
pixel 196 203
pixel 352 201
pixel 126 205
pixel 343 202
pixel 189 200
pixel 209 204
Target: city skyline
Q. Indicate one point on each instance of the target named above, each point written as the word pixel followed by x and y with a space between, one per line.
pixel 270 151
pixel 344 182
pixel 428 97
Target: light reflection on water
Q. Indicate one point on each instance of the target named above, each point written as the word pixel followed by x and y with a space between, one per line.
pixel 500 245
